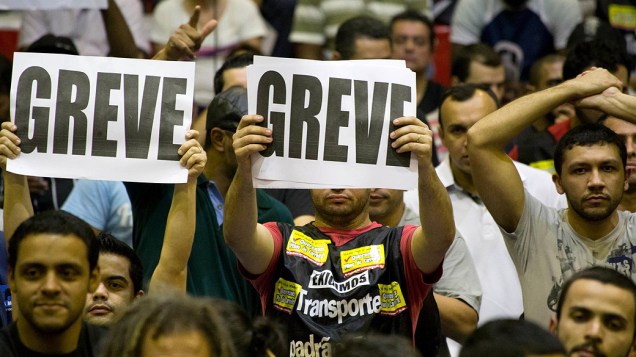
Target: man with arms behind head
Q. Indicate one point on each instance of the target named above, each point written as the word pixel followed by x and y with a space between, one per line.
pixel 549 245
pixel 627 132
pixel 596 314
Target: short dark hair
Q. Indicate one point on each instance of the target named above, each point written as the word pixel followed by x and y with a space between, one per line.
pixel 587 135
pixel 108 244
pixel 478 52
pixel 415 16
pixel 603 275
pixel 374 344
pixel 463 92
pixel 598 53
pixel 510 338
pixel 359 27
pixel 54 222
pixel 239 60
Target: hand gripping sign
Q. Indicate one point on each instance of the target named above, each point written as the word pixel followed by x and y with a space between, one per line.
pixel 330 122
pixel 100 118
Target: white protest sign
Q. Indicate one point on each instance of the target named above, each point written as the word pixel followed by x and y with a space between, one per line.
pixel 100 118
pixel 331 122
pixel 52 4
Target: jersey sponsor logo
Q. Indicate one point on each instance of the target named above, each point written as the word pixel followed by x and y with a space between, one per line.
pixel 360 259
pixel 391 299
pixel 314 250
pixel 310 348
pixel 338 309
pixel 325 279
pixel 285 295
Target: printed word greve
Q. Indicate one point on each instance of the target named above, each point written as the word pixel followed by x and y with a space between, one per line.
pixel 306 103
pixel 72 99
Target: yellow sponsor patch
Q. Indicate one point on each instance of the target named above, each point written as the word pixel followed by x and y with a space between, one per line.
pixel 391 299
pixel 622 16
pixel 302 245
pixel 285 295
pixel 360 259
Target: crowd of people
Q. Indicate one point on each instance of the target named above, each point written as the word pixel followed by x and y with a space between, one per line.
pixel 517 241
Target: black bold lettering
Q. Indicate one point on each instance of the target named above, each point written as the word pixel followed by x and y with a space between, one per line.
pixel 336 119
pixel 41 78
pixel 369 132
pixel 305 89
pixel 399 95
pixel 170 117
pixel 104 113
pixel 138 125
pixel 71 84
pixel 273 81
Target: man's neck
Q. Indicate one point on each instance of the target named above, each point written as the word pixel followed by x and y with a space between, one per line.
pixel 215 170
pixel 53 343
pixel 360 221
pixel 593 230
pixel 464 180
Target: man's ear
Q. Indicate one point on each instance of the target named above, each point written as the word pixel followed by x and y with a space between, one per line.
pixel 557 183
pixel 553 325
pixel 216 139
pixel 455 81
pixel 628 173
pixel 11 276
pixel 139 294
pixel 336 56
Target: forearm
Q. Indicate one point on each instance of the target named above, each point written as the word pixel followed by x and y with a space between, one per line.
pixel 436 219
pixel 178 239
pixel 500 127
pixel 120 39
pixel 17 202
pixel 458 319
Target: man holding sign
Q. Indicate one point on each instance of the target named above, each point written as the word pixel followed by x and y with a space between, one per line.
pixel 342 273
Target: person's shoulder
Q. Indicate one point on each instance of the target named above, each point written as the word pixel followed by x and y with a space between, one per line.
pixel 7 346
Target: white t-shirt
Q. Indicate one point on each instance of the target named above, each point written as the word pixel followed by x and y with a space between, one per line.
pixel 84 27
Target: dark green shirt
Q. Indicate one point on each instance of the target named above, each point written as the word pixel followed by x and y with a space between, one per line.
pixel 212 268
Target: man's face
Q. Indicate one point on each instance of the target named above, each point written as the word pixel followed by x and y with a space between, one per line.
pixel 339 206
pixel 114 293
pixel 593 180
pixel 412 43
pixel 627 132
pixel 458 117
pixel 371 48
pixel 51 280
pixel 494 77
pixel 383 202
pixel 596 320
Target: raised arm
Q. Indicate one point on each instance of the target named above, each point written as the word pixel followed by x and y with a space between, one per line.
pixel 252 243
pixel 17 199
pixel 613 102
pixel 171 270
pixel 430 241
pixel 186 40
pixel 494 173
pixel 120 39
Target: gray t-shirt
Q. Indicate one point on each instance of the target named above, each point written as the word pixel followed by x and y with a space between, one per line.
pixel 459 279
pixel 547 251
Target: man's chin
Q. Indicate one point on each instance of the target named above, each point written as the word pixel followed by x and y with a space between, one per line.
pixel 101 320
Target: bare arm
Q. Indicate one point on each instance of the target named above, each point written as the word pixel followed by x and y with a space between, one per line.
pixel 171 271
pixel 430 241
pixel 120 40
pixel 17 199
pixel 494 173
pixel 186 40
pixel 613 102
pixel 252 243
pixel 458 319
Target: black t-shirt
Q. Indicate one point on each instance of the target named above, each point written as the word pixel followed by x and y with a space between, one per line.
pixel 89 344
